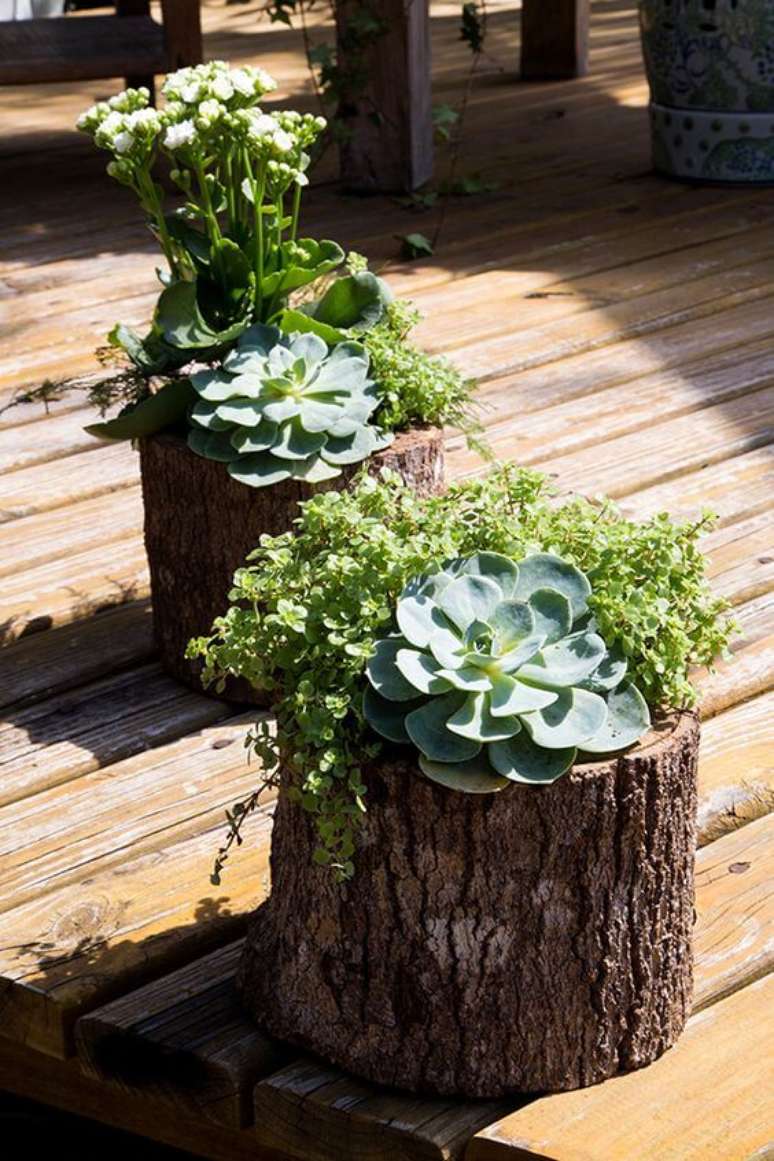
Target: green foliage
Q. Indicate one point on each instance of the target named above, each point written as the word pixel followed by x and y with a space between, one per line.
pixel 414 387
pixel 286 407
pixel 497 674
pixel 311 605
pixel 232 248
pixel 414 246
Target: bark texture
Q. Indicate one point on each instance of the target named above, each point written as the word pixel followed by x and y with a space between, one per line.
pixel 200 524
pixel 537 939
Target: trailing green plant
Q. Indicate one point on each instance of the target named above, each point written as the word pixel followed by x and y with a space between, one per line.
pixel 497 674
pixel 286 407
pixel 310 607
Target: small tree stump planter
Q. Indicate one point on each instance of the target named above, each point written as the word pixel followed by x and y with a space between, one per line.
pixel 200 524
pixel 537 939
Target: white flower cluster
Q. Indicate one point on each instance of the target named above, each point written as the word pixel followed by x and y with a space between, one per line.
pixel 124 125
pixel 234 88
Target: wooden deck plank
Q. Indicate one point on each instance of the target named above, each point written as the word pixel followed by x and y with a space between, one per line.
pixel 183 1040
pixel 88 728
pixel 76 477
pixel 120 926
pixel 700 1102
pixel 750 669
pixel 736 767
pixel 51 535
pixel 175 789
pixel 73 587
pixel 45 664
pixel 162 1040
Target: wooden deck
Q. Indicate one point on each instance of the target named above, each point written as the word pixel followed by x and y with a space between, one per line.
pixel 623 332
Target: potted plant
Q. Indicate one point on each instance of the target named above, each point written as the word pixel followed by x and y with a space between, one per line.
pixel 711 72
pixel 274 364
pixel 482 856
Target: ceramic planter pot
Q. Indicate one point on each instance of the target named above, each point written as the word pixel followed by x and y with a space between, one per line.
pixel 532 940
pixel 200 524
pixel 710 66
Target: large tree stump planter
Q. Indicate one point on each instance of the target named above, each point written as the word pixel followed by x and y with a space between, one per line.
pixel 537 939
pixel 200 524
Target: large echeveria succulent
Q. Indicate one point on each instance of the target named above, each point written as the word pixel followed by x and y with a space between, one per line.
pixel 286 406
pixel 497 674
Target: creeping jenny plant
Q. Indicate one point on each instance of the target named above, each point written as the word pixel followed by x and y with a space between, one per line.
pixel 311 606
pixel 286 406
pixel 498 674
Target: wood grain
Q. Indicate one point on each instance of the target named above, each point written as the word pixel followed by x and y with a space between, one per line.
pixel 701 1102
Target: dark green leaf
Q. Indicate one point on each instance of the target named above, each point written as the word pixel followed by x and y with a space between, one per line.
pixel 155 412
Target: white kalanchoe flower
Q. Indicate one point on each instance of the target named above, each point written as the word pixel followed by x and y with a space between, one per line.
pixel 123 142
pixel 210 111
pixel 190 93
pixel 223 88
pixel 283 141
pixel 180 135
pixel 242 82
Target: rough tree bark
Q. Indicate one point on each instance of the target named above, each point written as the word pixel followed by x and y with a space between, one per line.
pixel 537 939
pixel 200 524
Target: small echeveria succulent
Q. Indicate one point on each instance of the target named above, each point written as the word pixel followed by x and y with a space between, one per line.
pixel 497 674
pixel 286 406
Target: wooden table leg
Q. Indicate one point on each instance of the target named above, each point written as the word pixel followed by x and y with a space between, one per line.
pixel 554 38
pixel 385 103
pixel 136 8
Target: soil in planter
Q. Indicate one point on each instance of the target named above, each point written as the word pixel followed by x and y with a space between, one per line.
pixel 536 939
pixel 200 524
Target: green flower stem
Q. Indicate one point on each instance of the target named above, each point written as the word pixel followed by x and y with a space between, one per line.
pixel 258 188
pixel 296 212
pixel 146 191
pixel 211 218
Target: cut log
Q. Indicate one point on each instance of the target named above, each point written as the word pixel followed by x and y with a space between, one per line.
pixel 200 524
pixel 538 939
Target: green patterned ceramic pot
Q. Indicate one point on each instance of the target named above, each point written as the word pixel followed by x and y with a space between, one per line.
pixel 710 65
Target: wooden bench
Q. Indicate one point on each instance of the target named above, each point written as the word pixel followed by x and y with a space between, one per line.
pixel 129 44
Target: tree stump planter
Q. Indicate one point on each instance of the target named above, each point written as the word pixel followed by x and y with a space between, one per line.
pixel 200 524
pixel 537 939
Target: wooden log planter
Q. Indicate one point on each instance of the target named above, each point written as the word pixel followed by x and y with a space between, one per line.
pixel 200 524
pixel 536 939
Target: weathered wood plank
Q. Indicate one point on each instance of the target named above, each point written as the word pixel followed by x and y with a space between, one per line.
pixel 73 588
pixel 90 727
pixel 134 805
pixel 45 664
pixel 62 1084
pixel 183 1040
pixel 121 925
pixel 57 435
pixel 76 477
pixel 736 767
pixel 317 1113
pixel 47 536
pixel 750 670
pixel 700 1102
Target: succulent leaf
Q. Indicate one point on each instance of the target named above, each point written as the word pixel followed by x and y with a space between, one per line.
pixel 474 720
pixel 574 718
pixel 543 570
pixel 628 718
pixel 490 686
pixel 475 776
pixel 212 445
pixel 428 730
pixel 521 760
pixel 422 672
pixel 469 598
pixel 290 406
pixel 566 663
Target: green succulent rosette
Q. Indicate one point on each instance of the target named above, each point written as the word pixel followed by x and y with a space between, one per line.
pixel 286 406
pixel 497 674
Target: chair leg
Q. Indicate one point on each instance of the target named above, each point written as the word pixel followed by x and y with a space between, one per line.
pixel 136 8
pixel 182 32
